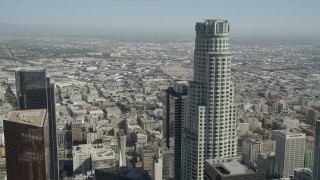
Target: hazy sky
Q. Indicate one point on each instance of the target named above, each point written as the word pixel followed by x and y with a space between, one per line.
pixel 247 17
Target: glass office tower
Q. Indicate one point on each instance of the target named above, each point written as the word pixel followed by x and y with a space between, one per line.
pixel 316 164
pixel 173 113
pixel 34 91
pixel 27 144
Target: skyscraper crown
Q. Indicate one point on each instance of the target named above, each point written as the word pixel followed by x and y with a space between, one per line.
pixel 213 27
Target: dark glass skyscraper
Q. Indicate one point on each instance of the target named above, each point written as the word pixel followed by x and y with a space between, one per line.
pixel 173 114
pixel 34 91
pixel 27 144
pixel 316 164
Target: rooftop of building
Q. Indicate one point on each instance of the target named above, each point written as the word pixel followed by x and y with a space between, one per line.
pixel 122 173
pixel 253 141
pixel 97 151
pixel 215 20
pixel 302 173
pixel 292 134
pixel 149 147
pixel 181 82
pixel 304 170
pixel 310 138
pixel 265 155
pixel 31 69
pixel 232 167
pixel 145 119
pixel 33 117
pixel 122 132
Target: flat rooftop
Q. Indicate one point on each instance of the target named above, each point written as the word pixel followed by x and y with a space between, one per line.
pixel 34 117
pixel 291 135
pixel 97 151
pixel 231 166
pixel 234 167
pixel 26 69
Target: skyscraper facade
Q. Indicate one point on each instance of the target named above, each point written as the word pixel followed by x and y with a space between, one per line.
pixel 35 91
pixel 290 149
pixel 210 124
pixel 316 164
pixel 27 144
pixel 173 112
pixel 157 166
pixel 122 140
pixel 251 150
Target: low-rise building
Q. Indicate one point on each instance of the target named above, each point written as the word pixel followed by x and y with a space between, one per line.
pixel 88 157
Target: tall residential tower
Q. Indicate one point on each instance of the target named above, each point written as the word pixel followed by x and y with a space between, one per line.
pixel 210 124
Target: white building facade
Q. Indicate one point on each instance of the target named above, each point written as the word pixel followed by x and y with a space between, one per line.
pixel 290 149
pixel 157 168
pixel 210 124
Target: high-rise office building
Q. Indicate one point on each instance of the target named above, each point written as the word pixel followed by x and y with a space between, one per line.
pixel 173 112
pixel 266 161
pixel 147 151
pixel 35 91
pixel 122 141
pixel 210 125
pixel 157 166
pixel 27 144
pixel 316 164
pixel 77 130
pixel 251 150
pixel 168 164
pixel 289 153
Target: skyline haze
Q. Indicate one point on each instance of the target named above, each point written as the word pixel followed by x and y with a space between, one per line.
pixel 143 18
